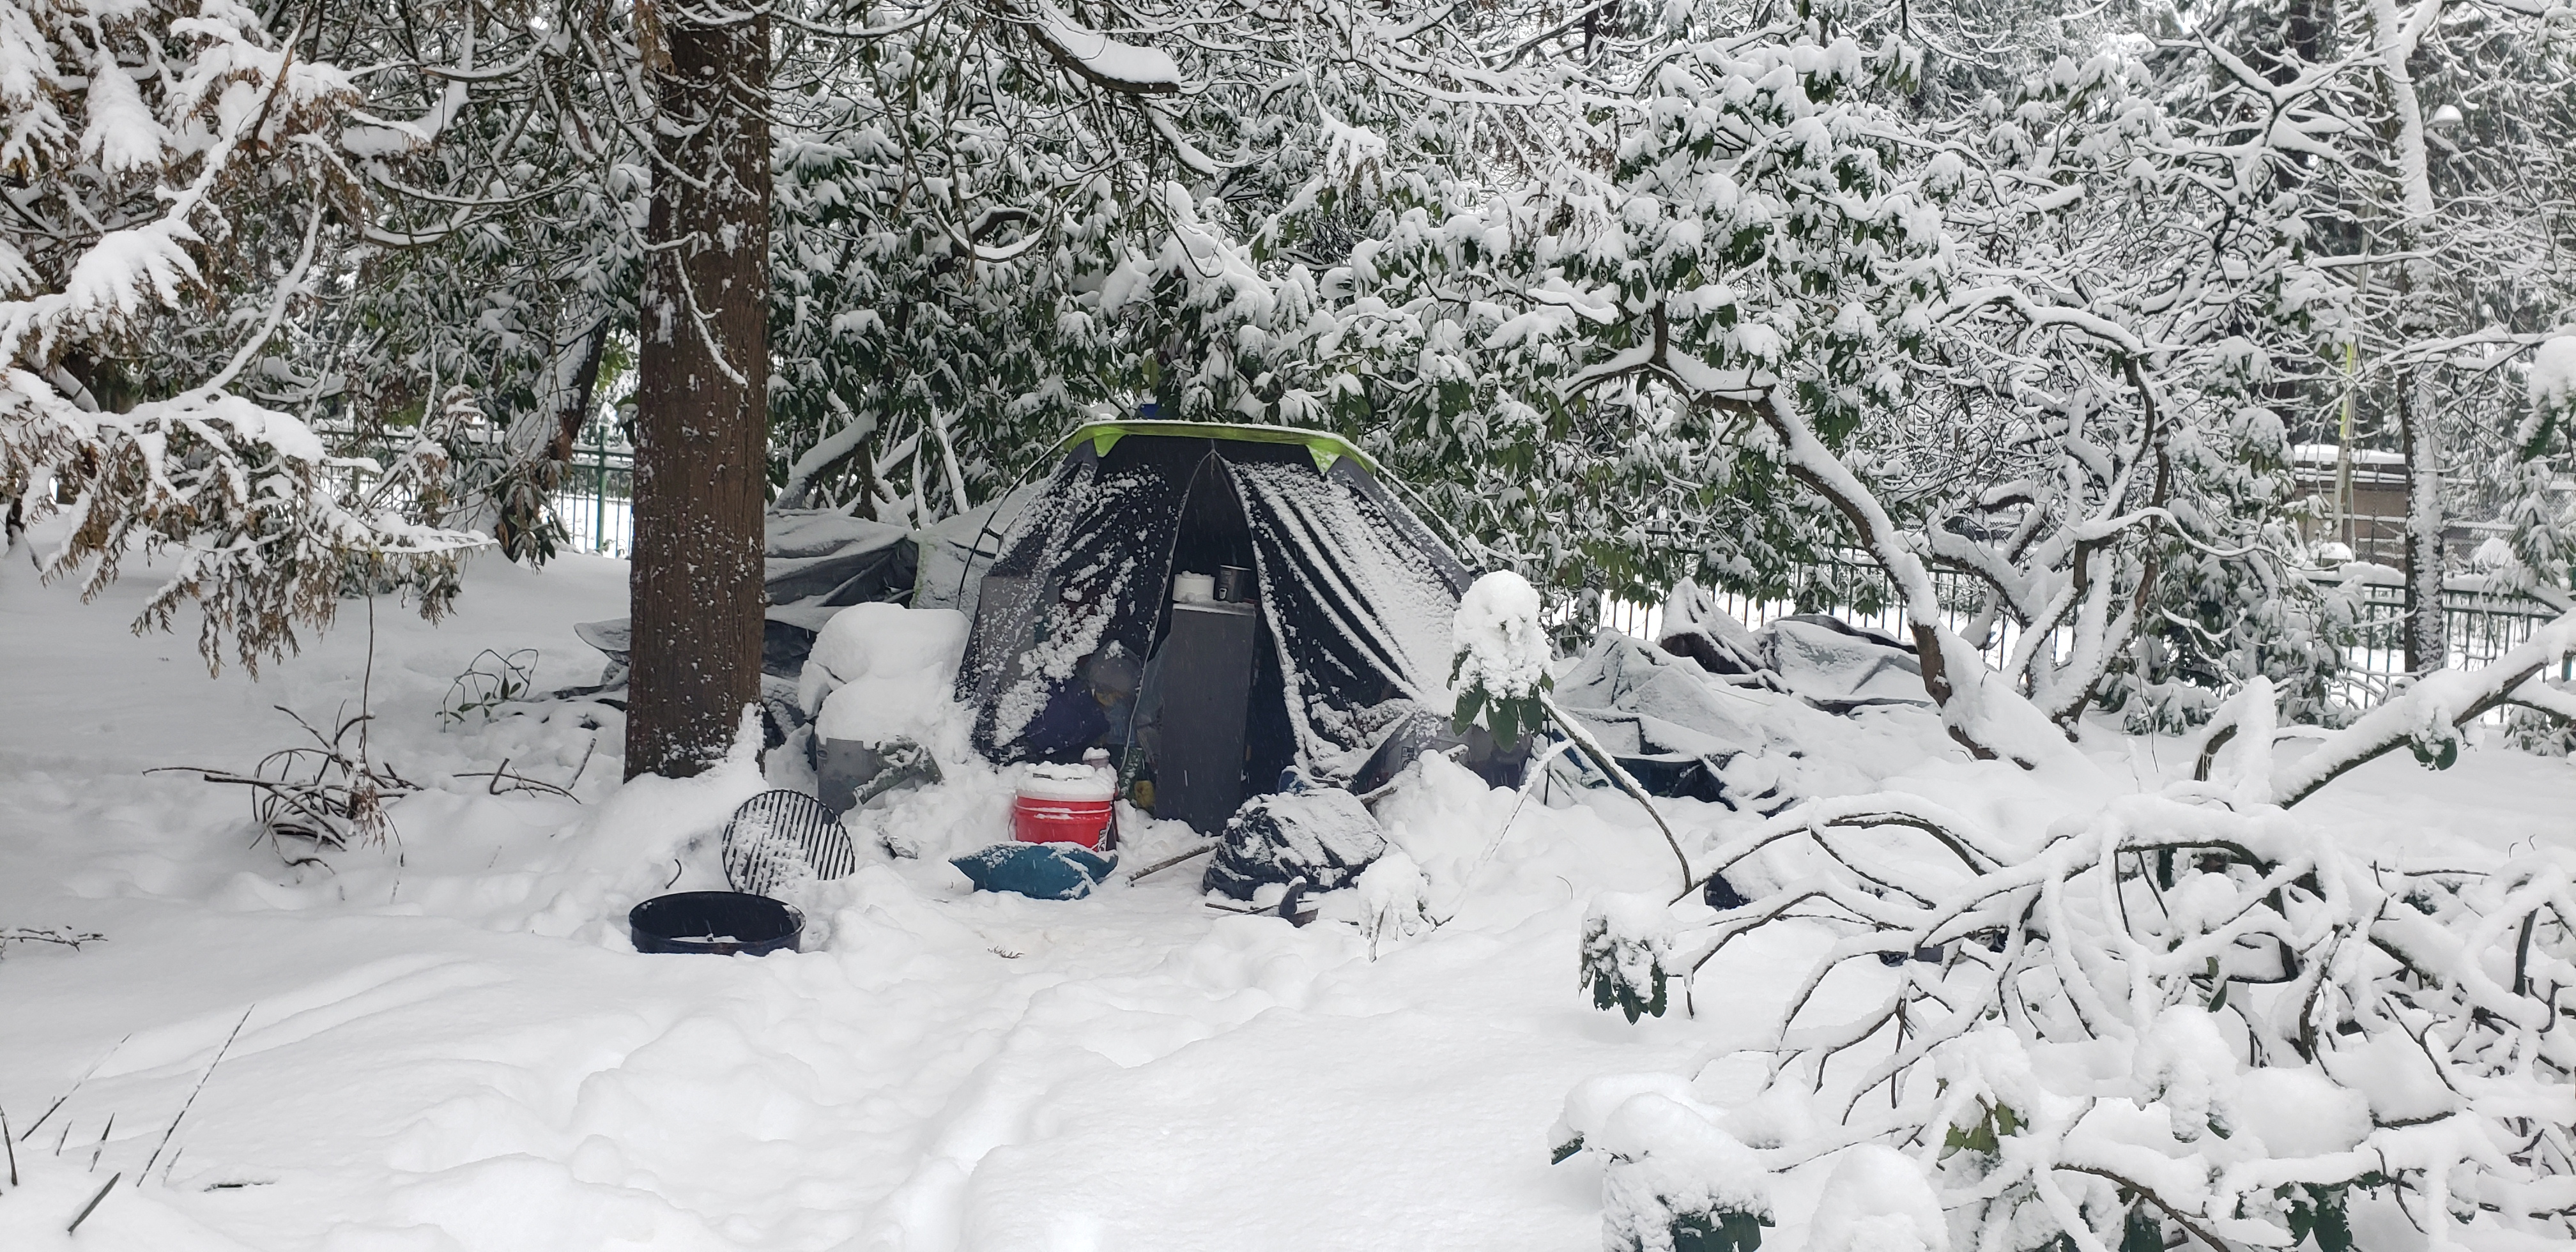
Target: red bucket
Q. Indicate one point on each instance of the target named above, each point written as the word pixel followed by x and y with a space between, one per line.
pixel 1063 804
pixel 1035 820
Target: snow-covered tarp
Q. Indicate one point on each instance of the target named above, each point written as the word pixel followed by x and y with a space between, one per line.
pixel 826 557
pixel 1832 664
pixel 815 562
pixel 1680 730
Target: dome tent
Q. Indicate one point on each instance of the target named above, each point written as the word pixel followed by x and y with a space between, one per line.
pixel 1334 665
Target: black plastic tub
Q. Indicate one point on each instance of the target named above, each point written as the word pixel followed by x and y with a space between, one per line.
pixel 717 922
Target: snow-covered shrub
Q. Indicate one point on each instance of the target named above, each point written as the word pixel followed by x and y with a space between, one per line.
pixel 1395 900
pixel 1877 1201
pixel 2552 384
pixel 1498 657
pixel 325 796
pixel 2187 1014
pixel 1627 940
pixel 1674 1180
pixel 2541 734
pixel 2224 620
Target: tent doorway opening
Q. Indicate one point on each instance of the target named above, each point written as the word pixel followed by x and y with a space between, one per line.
pixel 1211 720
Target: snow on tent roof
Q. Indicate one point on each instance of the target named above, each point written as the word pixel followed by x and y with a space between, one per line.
pixel 1357 595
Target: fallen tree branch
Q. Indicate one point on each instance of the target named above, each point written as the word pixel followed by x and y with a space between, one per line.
pixel 1591 748
pixel 2434 708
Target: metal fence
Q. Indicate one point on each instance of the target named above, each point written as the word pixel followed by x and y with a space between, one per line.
pixel 596 500
pixel 2478 624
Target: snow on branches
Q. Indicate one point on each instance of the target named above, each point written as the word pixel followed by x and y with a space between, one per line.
pixel 129 129
pixel 1499 657
pixel 2179 1015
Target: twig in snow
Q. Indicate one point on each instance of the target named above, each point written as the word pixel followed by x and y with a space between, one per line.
pixel 76 1086
pixel 1600 756
pixel 517 781
pixel 103 1133
pixel 49 1110
pixel 62 936
pixel 92 1206
pixel 1537 773
pixel 1168 862
pixel 11 1145
pixel 192 1094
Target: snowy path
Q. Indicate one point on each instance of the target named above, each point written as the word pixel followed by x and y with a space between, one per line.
pixel 1154 1073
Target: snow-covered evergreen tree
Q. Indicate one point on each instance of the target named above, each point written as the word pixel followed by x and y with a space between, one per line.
pixel 169 215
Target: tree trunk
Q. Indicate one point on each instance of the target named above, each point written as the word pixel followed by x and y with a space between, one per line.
pixel 2416 429
pixel 702 399
pixel 573 403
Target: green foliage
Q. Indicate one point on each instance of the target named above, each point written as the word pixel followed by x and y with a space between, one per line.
pixel 1623 972
pixel 2142 1232
pixel 489 682
pixel 2436 745
pixel 1986 1137
pixel 2317 1210
pixel 1509 718
pixel 1719 1231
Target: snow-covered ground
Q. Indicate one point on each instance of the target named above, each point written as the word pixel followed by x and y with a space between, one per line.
pixel 449 1044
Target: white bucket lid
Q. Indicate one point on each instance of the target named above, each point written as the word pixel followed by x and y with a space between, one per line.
pixel 1068 782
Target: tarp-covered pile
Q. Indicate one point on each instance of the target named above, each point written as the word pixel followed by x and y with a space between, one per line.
pixel 1715 711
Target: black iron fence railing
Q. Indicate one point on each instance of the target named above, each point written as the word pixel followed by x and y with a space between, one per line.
pixel 596 500
pixel 2479 624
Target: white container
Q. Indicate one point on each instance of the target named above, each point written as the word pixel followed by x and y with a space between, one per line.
pixel 1068 782
pixel 1193 588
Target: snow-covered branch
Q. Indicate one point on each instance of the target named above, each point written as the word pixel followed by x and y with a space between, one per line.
pixel 260 525
pixel 2428 714
pixel 2205 1019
